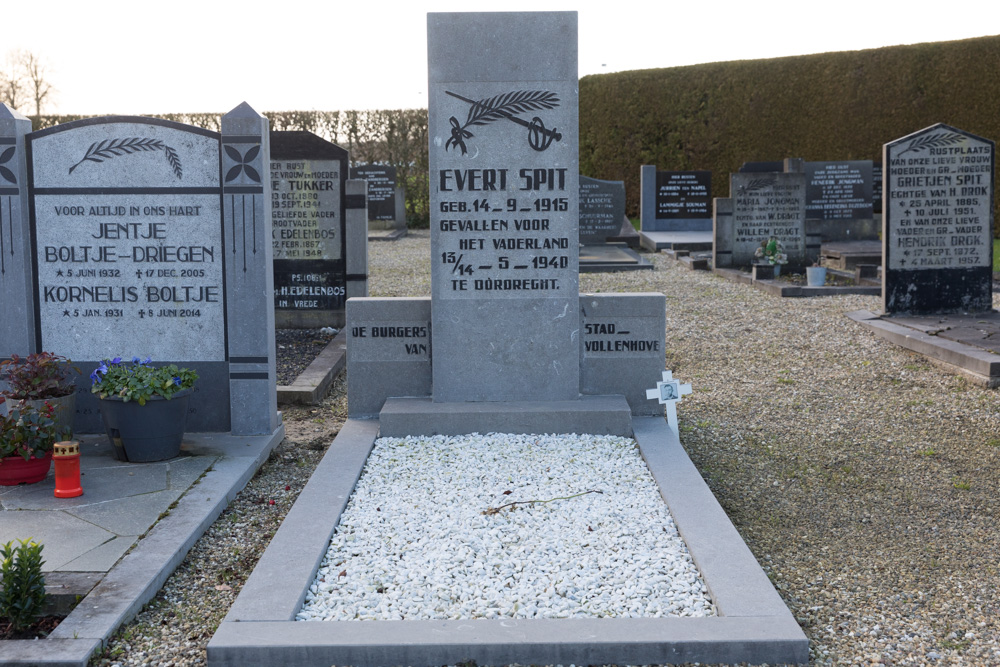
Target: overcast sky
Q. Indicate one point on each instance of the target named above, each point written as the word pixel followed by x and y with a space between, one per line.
pixel 129 57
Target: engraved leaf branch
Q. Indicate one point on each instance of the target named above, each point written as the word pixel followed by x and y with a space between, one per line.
pixel 108 148
pixel 505 107
pixel 933 141
pixel 758 184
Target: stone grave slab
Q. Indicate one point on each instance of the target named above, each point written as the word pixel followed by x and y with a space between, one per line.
pixel 937 223
pixel 611 257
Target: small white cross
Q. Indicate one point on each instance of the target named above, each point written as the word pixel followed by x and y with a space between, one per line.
pixel 668 392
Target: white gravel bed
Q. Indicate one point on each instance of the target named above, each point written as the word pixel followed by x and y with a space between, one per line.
pixel 422 536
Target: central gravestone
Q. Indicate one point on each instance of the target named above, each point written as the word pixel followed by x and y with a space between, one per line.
pixel 504 200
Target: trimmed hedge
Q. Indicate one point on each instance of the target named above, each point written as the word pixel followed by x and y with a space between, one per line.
pixel 830 106
pixel 716 116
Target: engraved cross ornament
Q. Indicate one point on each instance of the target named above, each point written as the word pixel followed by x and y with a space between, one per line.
pixel 668 391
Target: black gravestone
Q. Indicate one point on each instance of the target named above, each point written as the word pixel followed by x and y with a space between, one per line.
pixel 839 190
pixel 308 206
pixel 683 195
pixel 602 208
pixel 381 190
pixel 937 223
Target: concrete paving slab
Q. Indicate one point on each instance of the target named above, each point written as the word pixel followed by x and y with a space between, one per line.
pixel 134 578
pixel 102 557
pixel 127 516
pixel 753 626
pixel 681 240
pixel 51 529
pixel 185 471
pixel 99 485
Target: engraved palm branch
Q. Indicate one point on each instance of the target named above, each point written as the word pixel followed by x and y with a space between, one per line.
pixel 506 107
pixel 108 148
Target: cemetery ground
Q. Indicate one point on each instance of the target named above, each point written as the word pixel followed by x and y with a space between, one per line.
pixel 863 479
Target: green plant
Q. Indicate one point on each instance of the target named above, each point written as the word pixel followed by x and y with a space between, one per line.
pixel 22 594
pixel 960 484
pixel 38 376
pixel 139 380
pixel 28 432
pixel 772 250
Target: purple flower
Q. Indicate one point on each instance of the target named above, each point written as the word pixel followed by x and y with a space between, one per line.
pixel 135 360
pixel 177 381
pixel 116 361
pixel 148 360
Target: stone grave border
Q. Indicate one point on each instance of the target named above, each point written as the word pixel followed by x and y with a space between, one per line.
pixel 777 288
pixel 311 385
pixel 753 624
pixel 978 365
pixel 120 594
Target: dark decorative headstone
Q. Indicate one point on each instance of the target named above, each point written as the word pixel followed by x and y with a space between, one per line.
pixel 761 167
pixel 381 190
pixel 602 208
pixel 308 209
pixel 876 188
pixel 675 200
pixel 839 190
pixel 937 222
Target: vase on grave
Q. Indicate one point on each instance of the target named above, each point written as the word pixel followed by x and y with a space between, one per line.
pixel 145 433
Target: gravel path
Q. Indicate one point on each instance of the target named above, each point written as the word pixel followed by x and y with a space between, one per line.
pixel 863 479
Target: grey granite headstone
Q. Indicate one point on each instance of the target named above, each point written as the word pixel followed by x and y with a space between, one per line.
pixel 381 190
pixel 308 209
pixel 602 207
pixel 503 127
pixel 152 238
pixel 766 205
pixel 17 306
pixel 722 233
pixel 675 200
pixel 937 222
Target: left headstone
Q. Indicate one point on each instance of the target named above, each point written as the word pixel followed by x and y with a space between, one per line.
pixel 602 209
pixel 152 238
